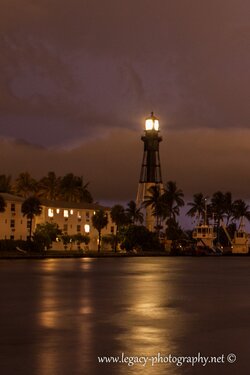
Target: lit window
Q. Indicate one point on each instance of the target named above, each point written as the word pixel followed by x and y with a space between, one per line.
pixel 66 213
pixel 71 212
pixel 58 210
pixel 50 212
pixel 149 124
pixel 156 125
pixel 87 228
pixel 79 215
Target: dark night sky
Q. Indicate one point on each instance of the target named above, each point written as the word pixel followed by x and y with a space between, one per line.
pixel 78 78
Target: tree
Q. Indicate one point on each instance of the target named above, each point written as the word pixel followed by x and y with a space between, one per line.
pixel 218 208
pixel 66 239
pixel 5 183
pixel 72 189
pixel 138 237
pixel 228 207
pixel 173 198
pixel 119 217
pixel 197 206
pixel 134 213
pixel 31 207
pixel 25 185
pixel 241 211
pixel 99 221
pixel 2 204
pixel 174 230
pixel 157 203
pixel 45 234
pixel 49 186
pixel 81 238
pixel 109 239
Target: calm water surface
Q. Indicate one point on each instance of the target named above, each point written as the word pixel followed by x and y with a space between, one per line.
pixel 57 316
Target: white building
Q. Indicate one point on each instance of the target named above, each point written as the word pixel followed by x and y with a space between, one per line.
pixel 72 218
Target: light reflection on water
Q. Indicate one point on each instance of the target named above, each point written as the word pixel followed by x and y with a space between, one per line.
pixel 59 315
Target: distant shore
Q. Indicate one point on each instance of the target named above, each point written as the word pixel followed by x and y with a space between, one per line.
pixel 51 254
pixel 54 254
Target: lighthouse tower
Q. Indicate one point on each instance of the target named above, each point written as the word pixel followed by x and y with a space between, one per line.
pixel 151 167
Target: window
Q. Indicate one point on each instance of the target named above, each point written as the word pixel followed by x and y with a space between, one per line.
pixel 79 215
pixel 58 210
pixel 65 227
pixel 13 207
pixel 87 215
pixel 78 228
pixel 12 237
pixel 87 228
pixel 12 223
pixel 65 213
pixel 50 212
pixel 71 212
pixel 112 229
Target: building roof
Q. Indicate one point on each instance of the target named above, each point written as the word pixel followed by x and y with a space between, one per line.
pixel 65 204
pixel 12 198
pixel 56 204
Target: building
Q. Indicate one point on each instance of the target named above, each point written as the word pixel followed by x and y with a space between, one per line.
pixel 13 225
pixel 151 167
pixel 72 218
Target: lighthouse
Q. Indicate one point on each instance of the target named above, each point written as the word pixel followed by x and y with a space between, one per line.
pixel 151 167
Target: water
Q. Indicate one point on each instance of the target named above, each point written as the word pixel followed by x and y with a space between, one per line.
pixel 57 316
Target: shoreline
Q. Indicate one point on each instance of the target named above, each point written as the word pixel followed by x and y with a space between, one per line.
pixel 55 254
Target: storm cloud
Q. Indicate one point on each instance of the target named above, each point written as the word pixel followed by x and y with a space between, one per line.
pixel 78 78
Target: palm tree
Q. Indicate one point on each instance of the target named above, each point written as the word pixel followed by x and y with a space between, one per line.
pixel 174 199
pixel 72 189
pixel 218 207
pixel 2 204
pixel 157 203
pixel 49 186
pixel 228 207
pixel 25 185
pixel 5 183
pixel 31 207
pixel 134 213
pixel 197 206
pixel 240 211
pixel 118 216
pixel 99 221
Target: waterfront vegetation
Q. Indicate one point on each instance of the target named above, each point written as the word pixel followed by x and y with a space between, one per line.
pixel 70 188
pixel 129 233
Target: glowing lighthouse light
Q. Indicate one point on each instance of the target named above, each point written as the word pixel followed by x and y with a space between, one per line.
pixel 152 123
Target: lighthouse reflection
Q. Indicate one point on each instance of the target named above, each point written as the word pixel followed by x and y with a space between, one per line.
pixel 150 321
pixel 92 309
